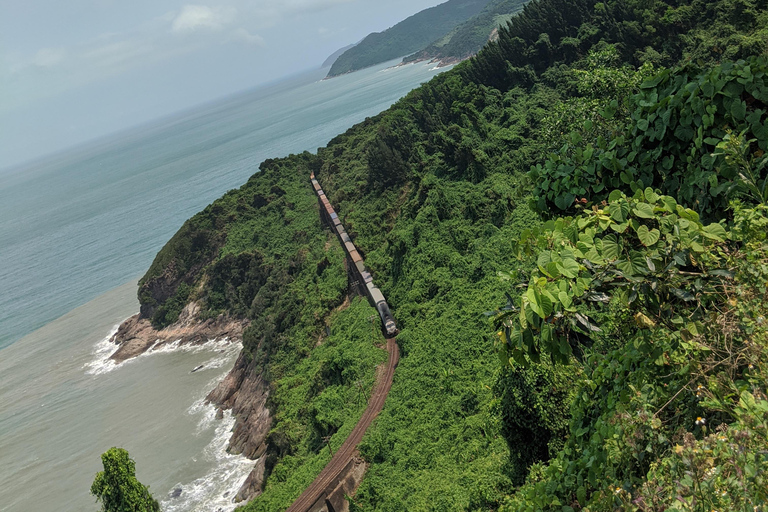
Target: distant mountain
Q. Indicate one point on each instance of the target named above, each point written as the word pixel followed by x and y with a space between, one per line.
pixel 468 38
pixel 408 36
pixel 330 60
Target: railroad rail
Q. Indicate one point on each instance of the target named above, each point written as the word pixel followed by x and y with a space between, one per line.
pixel 326 492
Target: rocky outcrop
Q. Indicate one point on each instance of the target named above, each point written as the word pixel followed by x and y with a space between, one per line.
pixel 136 335
pixel 254 484
pixel 245 392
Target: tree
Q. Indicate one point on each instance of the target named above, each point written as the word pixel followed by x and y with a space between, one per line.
pixel 117 488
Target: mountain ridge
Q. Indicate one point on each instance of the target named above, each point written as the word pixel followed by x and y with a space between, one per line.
pixel 407 36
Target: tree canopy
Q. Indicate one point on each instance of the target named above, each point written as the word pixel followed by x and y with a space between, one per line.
pixel 117 488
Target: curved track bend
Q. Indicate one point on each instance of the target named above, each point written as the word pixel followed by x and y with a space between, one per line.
pixel 348 449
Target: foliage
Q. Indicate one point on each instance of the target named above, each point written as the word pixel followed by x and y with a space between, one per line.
pixel 726 470
pixel 549 32
pixel 117 488
pixel 534 402
pixel 317 403
pixel 676 140
pixel 406 37
pixel 642 411
pixel 169 311
pixel 646 251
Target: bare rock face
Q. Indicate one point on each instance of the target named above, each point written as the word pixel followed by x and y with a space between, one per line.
pixel 245 392
pixel 254 483
pixel 136 335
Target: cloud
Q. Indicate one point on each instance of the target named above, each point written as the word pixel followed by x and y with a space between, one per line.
pixel 41 72
pixel 193 18
pixel 49 57
pixel 246 37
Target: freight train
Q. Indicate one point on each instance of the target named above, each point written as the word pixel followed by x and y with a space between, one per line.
pixel 375 297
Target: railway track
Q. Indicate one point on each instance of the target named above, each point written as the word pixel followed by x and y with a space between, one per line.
pixel 348 449
pixel 314 497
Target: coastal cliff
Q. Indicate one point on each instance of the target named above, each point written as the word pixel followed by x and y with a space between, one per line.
pixel 243 391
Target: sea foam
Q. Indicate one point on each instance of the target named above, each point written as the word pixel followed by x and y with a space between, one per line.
pixel 103 350
pixel 215 491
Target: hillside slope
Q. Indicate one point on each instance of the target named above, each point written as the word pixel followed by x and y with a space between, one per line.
pixel 595 180
pixel 406 37
pixel 468 38
pixel 335 55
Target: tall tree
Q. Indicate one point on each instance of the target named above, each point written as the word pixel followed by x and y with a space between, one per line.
pixel 117 488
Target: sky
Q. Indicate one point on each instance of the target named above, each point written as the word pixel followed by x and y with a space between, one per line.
pixel 75 70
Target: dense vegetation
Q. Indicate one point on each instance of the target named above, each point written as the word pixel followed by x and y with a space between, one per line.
pixel 595 180
pixel 408 36
pixel 117 488
pixel 468 38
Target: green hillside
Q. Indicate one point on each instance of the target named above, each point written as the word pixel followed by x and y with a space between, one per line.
pixel 571 230
pixel 408 36
pixel 468 38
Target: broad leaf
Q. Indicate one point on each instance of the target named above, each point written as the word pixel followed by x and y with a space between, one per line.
pixel 644 211
pixel 648 237
pixel 611 249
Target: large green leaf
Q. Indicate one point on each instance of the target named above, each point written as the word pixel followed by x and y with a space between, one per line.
pixel 644 211
pixel 738 110
pixel 648 237
pixel 620 210
pixel 539 302
pixel 565 300
pixel 650 195
pixel 569 268
pixel 611 248
pixel 715 232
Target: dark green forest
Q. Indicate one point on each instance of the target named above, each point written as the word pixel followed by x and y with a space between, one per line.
pixel 408 36
pixel 572 231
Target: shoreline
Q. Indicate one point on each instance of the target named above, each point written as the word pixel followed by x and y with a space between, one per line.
pixel 242 392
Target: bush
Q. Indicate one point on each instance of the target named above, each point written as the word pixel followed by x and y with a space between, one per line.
pixel 117 488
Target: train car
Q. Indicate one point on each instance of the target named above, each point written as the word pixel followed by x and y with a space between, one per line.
pixel 349 246
pixel 345 237
pixel 360 267
pixel 367 277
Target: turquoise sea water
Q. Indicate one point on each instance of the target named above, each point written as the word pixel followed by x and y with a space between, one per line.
pixel 76 230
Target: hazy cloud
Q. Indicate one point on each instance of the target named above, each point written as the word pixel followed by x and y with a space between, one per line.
pixel 201 17
pixel 49 57
pixel 246 37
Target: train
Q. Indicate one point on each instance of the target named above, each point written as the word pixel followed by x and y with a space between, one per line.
pixel 357 266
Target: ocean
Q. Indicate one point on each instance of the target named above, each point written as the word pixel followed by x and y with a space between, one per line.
pixel 76 231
